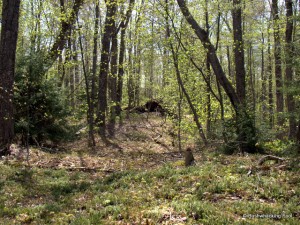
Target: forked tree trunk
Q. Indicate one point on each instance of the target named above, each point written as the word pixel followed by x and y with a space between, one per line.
pixel 8 44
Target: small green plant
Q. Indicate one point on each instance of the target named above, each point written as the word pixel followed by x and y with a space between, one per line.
pixel 40 107
pixel 65 188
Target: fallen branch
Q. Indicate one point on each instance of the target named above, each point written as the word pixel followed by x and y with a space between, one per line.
pixel 270 157
pixel 263 160
pixel 88 169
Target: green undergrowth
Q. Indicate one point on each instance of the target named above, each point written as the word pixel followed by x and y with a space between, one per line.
pixel 217 191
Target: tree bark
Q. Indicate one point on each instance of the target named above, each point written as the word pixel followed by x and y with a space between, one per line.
pixel 137 71
pixel 113 84
pixel 120 73
pixel 278 62
pixel 251 77
pixel 130 85
pixel 94 71
pixel 228 61
pixel 208 119
pixel 104 65
pixel 90 116
pixel 298 137
pixel 270 87
pixel 8 45
pixel 264 80
pixel 150 87
pixel 289 67
pixel 73 74
pixel 238 48
pixel 123 25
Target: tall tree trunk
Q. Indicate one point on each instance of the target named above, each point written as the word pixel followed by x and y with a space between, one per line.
pixel 252 77
pixel 278 63
pixel 137 77
pixel 94 71
pixel 270 79
pixel 130 85
pixel 113 84
pixel 298 137
pixel 242 117
pixel 238 48
pixel 8 45
pixel 68 72
pixel 179 118
pixel 152 61
pixel 208 119
pixel 91 140
pixel 137 57
pixel 104 65
pixel 289 67
pixel 73 74
pixel 228 61
pixel 120 72
pixel 165 60
pixel 264 80
pixel 122 27
pixel 61 70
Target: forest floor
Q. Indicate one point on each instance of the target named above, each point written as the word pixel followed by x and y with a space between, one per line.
pixel 139 177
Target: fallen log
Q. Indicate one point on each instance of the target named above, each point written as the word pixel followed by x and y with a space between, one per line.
pixel 270 157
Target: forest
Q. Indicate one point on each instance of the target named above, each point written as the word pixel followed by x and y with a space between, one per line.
pixel 149 112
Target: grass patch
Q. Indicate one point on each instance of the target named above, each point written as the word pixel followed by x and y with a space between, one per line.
pixel 217 191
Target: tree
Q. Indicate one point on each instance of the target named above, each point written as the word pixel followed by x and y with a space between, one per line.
pixel 181 85
pixel 238 47
pixel 8 44
pixel 278 62
pixel 66 25
pixel 114 83
pixel 104 65
pixel 245 127
pixel 94 71
pixel 289 67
